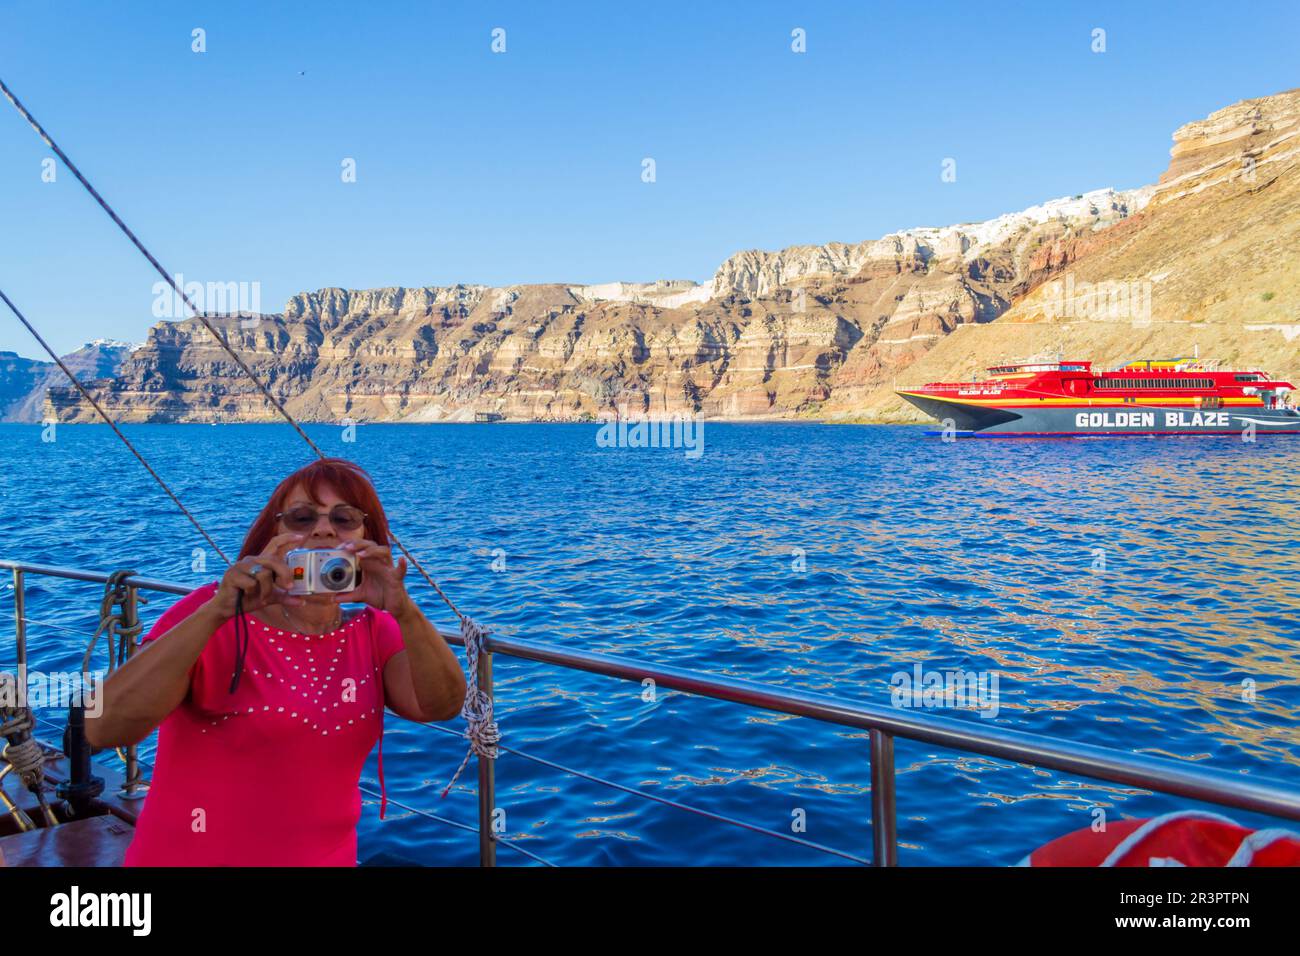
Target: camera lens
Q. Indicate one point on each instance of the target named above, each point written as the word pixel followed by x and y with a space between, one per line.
pixel 336 574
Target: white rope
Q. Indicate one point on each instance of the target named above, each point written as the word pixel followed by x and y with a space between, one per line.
pixel 481 728
pixel 28 757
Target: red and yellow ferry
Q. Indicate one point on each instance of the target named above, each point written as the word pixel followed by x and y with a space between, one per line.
pixel 1146 397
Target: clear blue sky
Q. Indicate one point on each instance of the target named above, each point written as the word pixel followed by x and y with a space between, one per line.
pixel 526 166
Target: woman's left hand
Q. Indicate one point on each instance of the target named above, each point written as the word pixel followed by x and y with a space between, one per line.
pixel 382 584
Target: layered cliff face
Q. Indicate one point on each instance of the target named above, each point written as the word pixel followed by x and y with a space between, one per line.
pixel 808 331
pixel 760 273
pixel 772 335
pixel 1211 263
pixel 24 382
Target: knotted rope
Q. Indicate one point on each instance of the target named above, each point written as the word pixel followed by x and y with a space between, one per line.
pixel 481 728
pixel 27 757
pixel 115 593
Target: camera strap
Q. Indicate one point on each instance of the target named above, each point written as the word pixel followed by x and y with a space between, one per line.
pixel 241 641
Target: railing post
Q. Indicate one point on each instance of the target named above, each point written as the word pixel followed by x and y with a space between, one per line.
pixel 20 630
pixel 134 787
pixel 487 795
pixel 884 821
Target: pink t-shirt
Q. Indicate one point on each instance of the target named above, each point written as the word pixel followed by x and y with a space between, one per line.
pixel 267 776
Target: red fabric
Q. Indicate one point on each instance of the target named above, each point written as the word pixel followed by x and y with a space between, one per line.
pixel 1188 840
pixel 267 776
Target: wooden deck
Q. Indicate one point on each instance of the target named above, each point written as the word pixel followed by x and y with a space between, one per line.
pixel 99 840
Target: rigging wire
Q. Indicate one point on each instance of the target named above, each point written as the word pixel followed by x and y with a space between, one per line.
pixel 201 316
pixel 481 731
pixel 111 424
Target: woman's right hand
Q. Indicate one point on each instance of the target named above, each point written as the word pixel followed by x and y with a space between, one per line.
pixel 261 589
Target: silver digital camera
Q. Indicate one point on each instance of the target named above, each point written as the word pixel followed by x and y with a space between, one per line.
pixel 318 570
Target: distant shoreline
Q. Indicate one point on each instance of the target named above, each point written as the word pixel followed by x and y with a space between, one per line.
pixel 519 421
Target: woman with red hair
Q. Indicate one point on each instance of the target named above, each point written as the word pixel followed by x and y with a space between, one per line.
pixel 261 741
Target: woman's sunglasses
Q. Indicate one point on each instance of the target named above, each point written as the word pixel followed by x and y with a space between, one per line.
pixel 304 517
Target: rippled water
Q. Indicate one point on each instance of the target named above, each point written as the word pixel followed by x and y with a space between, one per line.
pixel 1121 590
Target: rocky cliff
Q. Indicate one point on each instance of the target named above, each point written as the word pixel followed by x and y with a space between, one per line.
pixel 1211 263
pixel 24 382
pixel 1206 256
pixel 774 334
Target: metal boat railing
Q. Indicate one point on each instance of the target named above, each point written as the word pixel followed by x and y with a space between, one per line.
pixel 883 724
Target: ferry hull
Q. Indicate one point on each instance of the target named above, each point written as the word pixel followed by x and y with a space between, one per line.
pixel 983 421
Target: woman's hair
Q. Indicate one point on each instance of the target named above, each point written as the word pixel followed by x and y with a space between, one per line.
pixel 347 478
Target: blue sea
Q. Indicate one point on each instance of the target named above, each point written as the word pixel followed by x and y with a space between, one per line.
pixel 1137 594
